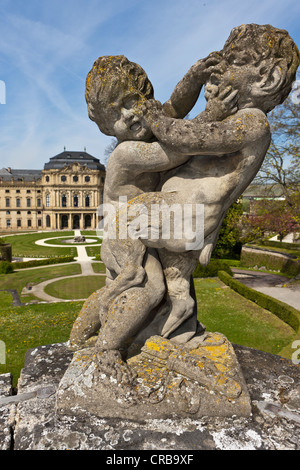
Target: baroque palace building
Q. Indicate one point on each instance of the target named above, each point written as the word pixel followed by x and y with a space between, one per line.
pixel 64 195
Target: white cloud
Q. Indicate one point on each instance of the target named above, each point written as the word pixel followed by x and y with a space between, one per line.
pixel 47 48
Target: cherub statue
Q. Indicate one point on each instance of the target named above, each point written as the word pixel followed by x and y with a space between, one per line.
pixel 162 158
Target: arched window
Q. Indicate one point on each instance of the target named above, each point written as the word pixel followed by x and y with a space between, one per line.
pixel 87 201
pixel 48 222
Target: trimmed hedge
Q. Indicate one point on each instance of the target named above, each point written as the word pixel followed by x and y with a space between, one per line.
pixel 272 262
pixel 285 312
pixel 42 262
pixel 6 267
pixel 211 270
pixel 285 245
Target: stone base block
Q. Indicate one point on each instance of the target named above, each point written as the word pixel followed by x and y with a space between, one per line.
pixel 201 378
pixel 273 383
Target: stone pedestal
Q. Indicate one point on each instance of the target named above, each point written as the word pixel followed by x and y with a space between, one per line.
pixel 274 424
pixel 201 378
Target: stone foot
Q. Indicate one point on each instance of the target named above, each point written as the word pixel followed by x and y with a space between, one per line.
pixel 110 364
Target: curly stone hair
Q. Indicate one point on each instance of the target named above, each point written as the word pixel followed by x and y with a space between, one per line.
pixel 112 76
pixel 265 43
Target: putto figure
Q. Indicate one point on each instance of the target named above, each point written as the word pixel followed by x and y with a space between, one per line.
pixel 163 158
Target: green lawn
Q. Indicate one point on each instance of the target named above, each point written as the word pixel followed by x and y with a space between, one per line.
pixel 93 251
pixel 19 279
pixel 220 309
pixel 99 267
pixel 23 245
pixel 22 328
pixel 75 288
pixel 240 320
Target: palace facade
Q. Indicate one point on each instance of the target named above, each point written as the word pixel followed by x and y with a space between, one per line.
pixel 64 195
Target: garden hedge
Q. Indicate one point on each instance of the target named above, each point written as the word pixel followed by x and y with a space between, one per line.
pixel 285 245
pixel 271 262
pixel 212 269
pixel 285 312
pixel 42 262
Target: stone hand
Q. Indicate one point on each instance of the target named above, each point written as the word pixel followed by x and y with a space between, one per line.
pixel 151 109
pixel 220 104
pixel 203 68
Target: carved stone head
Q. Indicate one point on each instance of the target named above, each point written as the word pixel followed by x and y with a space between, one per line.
pixel 261 62
pixel 115 90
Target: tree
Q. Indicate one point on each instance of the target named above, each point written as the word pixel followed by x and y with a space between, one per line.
pixel 273 217
pixel 110 148
pixel 229 243
pixel 282 162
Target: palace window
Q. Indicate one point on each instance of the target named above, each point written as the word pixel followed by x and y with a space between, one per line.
pixel 18 202
pixel 47 179
pixel 87 179
pixel 48 221
pixel 18 222
pixel 38 202
pixel 64 201
pixel 7 202
pixel 75 179
pixel 63 178
pixel 75 200
pixel 47 200
pixel 28 202
pixel 29 223
pixel 87 201
pixel 8 223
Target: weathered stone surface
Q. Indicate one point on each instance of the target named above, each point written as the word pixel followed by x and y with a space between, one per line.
pixel 269 378
pixel 199 378
pixel 6 413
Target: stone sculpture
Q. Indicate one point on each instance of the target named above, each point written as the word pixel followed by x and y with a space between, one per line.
pixel 139 344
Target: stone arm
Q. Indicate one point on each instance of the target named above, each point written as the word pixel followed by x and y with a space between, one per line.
pixel 199 136
pixel 143 157
pixel 187 91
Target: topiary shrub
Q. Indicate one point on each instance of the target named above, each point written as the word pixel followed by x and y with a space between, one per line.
pixel 6 267
pixel 212 269
pixel 5 251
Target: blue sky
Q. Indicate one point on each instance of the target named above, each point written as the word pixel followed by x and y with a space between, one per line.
pixel 47 47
